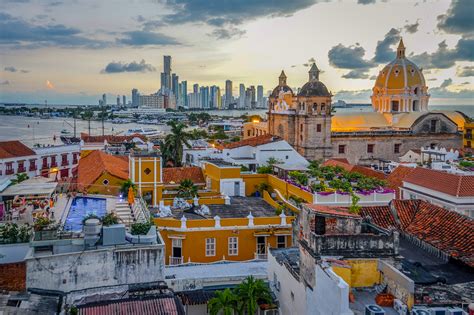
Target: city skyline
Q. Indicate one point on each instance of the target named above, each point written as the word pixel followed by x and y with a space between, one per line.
pixel 47 53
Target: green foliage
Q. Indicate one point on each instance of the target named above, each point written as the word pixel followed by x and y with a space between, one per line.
pixel 20 178
pixel 110 219
pixel 272 161
pixel 354 207
pixel 244 168
pixel 73 310
pixel 90 216
pixel 281 208
pixel 319 187
pixel 466 164
pixel 43 223
pixel 262 186
pixel 297 200
pixel 187 189
pixel 197 134
pixel 219 135
pixel 266 169
pixel 250 292
pixel 341 185
pixel 13 233
pixel 172 147
pixel 299 177
pixel 224 302
pixel 126 186
pixel 200 118
pixel 140 228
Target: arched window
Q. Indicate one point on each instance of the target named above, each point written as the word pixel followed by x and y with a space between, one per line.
pixel 315 108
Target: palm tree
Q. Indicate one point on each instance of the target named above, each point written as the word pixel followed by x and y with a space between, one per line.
pixel 126 186
pixel 250 291
pixel 20 178
pixel 224 301
pixel 172 147
pixel 187 189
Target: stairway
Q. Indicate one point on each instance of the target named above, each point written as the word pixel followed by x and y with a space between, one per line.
pixel 124 213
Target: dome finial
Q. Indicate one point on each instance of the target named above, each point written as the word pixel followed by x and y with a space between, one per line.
pixel 401 49
pixel 314 73
pixel 282 78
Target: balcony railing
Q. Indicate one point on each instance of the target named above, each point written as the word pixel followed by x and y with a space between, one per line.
pixel 32 168
pixel 64 163
pixel 9 172
pixel 54 164
pixel 21 169
pixel 176 260
pixel 44 166
pixel 261 256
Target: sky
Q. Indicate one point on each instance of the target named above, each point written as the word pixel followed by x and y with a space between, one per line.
pixel 72 51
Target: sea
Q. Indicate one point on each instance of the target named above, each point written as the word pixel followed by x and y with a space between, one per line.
pixel 33 130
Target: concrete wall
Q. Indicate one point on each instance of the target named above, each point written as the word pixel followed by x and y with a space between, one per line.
pixel 95 268
pixel 402 287
pixel 331 294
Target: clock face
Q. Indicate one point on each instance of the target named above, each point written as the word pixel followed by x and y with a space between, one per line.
pixel 283 101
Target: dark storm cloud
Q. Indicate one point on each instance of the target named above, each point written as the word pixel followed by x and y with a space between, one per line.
pixel 365 1
pixel 13 69
pixel 147 38
pixel 351 57
pixel 446 83
pixel 467 71
pixel 459 19
pixel 383 52
pixel 118 67
pixel 444 57
pixel 222 33
pixel 20 33
pixel 412 28
pixel 356 74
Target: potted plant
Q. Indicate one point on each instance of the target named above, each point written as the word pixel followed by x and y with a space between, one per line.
pixel 113 233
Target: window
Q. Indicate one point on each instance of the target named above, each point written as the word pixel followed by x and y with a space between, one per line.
pixel 21 167
pixel 287 157
pixel 370 148
pixel 301 127
pixel 301 138
pixel 74 158
pixel 210 247
pixel 53 161
pixel 342 149
pixel 105 182
pixel 32 165
pixel 233 246
pixel 281 241
pixel 261 247
pixel 396 147
pixel 433 125
pixel 318 127
pixel 248 133
pixel 9 168
pixel 64 159
pixel 395 106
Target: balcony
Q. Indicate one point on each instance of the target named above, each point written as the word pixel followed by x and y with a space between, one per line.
pixel 32 168
pixel 54 164
pixel 468 136
pixel 64 163
pixel 21 169
pixel 9 172
pixel 261 256
pixel 175 261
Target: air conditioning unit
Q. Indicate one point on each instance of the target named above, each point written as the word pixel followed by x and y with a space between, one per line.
pixel 420 311
pixel 456 311
pixel 399 307
pixel 374 309
pixel 439 311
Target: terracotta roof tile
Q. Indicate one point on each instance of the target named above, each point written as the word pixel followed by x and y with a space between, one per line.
pixel 395 179
pixel 177 174
pixel 11 149
pixel 331 210
pixel 451 184
pixel 255 141
pixel 110 138
pixel 446 230
pixel 96 163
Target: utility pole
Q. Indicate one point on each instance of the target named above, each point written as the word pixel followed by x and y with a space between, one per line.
pixel 103 117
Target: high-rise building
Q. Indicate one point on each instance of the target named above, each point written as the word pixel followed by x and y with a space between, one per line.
pixel 228 93
pixel 252 96
pixel 204 94
pixel 215 97
pixel 184 94
pixel 118 100
pixel 196 88
pixel 153 101
pixel 175 85
pixel 124 100
pixel 241 95
pixel 166 74
pixel 135 98
pixel 104 99
pixel 260 103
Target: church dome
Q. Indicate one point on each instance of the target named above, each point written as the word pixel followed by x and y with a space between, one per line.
pixel 314 87
pixel 281 87
pixel 400 74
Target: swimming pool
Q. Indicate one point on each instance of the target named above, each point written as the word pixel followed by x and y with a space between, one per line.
pixel 80 207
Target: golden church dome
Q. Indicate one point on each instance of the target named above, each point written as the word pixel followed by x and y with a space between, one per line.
pixel 400 86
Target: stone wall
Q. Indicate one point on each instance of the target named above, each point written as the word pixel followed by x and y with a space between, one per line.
pixel 13 276
pixel 95 268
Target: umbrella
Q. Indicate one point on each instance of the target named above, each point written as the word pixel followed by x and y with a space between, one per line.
pixel 131 196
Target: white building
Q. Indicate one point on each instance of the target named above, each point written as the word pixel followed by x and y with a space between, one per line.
pixel 450 191
pixel 152 101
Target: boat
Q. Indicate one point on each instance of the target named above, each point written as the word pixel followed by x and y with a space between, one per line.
pixel 65 132
pixel 147 132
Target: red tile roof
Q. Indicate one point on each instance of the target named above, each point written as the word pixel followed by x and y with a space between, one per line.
pixel 451 184
pixel 446 230
pixel 11 149
pixel 255 141
pixel 147 306
pixel 96 163
pixel 177 174
pixel 335 211
pixel 110 138
pixel 355 168
pixel 395 179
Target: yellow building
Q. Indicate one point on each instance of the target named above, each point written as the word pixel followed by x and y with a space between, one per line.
pixel 242 229
pixel 145 170
pixel 254 128
pixel 468 131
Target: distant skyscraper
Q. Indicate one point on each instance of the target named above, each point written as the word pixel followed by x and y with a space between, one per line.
pixel 104 99
pixel 135 98
pixel 228 93
pixel 241 95
pixel 166 74
pixel 124 100
pixel 260 103
pixel 196 88
pixel 204 93
pixel 184 94
pixel 118 100
pixel 252 96
pixel 175 85
pixel 215 97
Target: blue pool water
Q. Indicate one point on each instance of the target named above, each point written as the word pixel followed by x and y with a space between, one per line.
pixel 80 207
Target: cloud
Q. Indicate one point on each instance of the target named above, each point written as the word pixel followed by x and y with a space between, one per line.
pixel 19 33
pixel 365 1
pixel 459 18
pixel 446 83
pixel 351 57
pixel 356 74
pixel 444 57
pixel 118 67
pixel 360 94
pixel 232 32
pixel 467 71
pixel 412 28
pixel 383 51
pixel 147 38
pixel 6 82
pixel 49 85
pixel 13 69
pixel 443 92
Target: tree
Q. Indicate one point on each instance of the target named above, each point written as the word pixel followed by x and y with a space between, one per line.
pixel 250 292
pixel 354 207
pixel 187 189
pixel 20 178
pixel 223 301
pixel 126 186
pixel 172 147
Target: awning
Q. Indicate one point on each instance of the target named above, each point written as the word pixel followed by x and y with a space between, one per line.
pixel 177 236
pixel 265 233
pixel 283 232
pixel 31 187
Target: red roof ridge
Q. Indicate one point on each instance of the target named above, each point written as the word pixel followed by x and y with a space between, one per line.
pixel 254 141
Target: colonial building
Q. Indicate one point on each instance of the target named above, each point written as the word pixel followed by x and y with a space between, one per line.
pixel 400 120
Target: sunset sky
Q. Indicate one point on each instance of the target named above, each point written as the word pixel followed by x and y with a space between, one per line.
pixel 73 51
